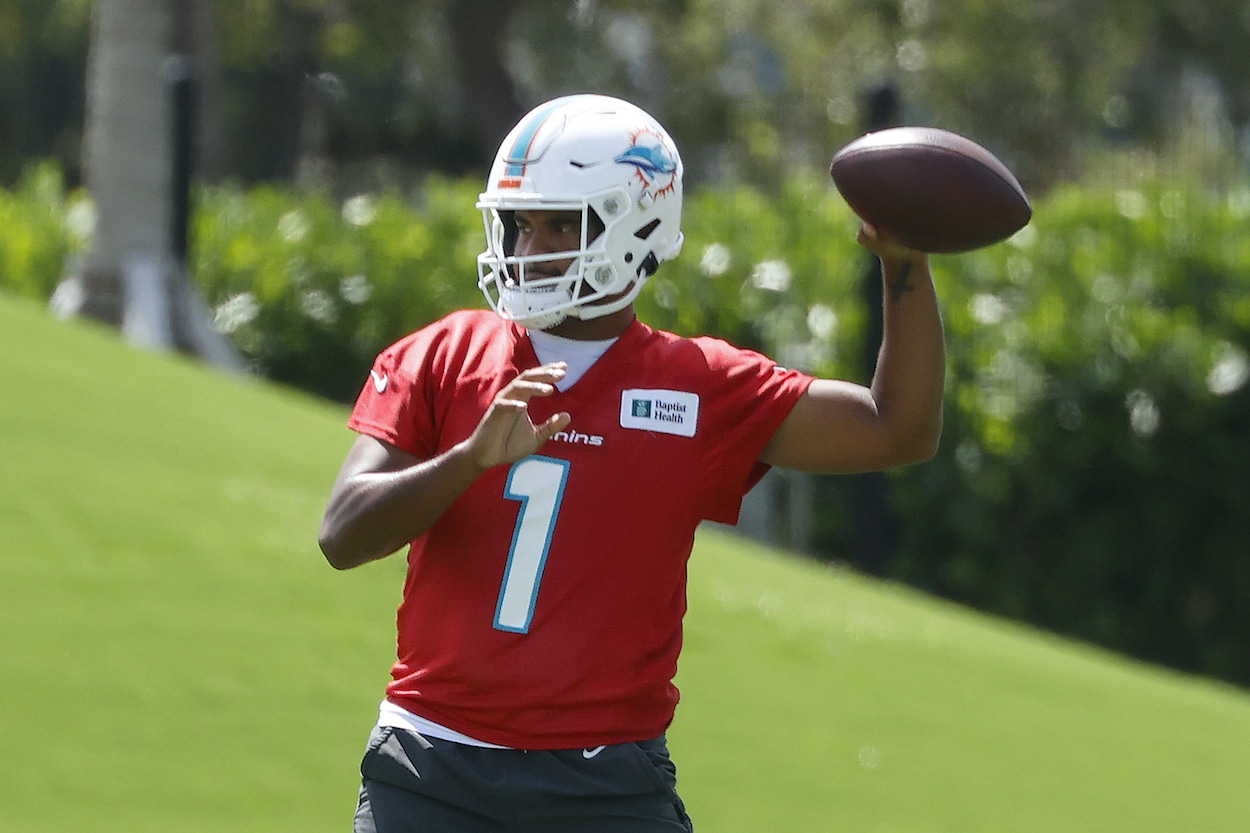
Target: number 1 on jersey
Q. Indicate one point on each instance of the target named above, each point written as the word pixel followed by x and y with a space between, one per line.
pixel 538 483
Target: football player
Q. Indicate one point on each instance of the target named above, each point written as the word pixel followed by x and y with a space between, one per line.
pixel 547 461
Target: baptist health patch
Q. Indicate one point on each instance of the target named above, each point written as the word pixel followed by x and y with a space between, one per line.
pixel 666 411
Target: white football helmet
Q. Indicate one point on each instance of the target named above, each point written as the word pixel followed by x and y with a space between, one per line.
pixel 609 160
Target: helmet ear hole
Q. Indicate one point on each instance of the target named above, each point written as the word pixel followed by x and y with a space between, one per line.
pixel 650 264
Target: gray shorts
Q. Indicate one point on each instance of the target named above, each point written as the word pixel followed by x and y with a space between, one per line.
pixel 412 784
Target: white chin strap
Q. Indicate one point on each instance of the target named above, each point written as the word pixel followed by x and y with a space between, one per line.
pixel 531 309
pixel 520 306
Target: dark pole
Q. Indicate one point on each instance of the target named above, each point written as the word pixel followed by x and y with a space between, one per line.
pixel 182 82
pixel 881 111
pixel 182 75
pixel 874 525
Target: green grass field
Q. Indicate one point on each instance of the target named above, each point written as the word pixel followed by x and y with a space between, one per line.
pixel 176 655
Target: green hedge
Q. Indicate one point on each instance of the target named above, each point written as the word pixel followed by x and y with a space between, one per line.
pixel 42 227
pixel 1090 478
pixel 1093 475
pixel 311 288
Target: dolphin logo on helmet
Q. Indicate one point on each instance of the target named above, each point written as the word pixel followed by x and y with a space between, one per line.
pixel 652 161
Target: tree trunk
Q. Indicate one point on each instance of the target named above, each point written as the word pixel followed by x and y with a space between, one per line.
pixel 489 104
pixel 134 274
pixel 126 149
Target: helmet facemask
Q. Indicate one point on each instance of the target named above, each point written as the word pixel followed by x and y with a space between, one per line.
pixel 524 289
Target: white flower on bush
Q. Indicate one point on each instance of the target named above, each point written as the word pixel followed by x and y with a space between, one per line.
pixel 771 275
pixel 1230 369
pixel 318 305
pixel 235 312
pixel 355 289
pixel 1143 413
pixel 716 260
pixel 987 308
pixel 360 210
pixel 80 220
pixel 1131 204
pixel 822 321
pixel 293 226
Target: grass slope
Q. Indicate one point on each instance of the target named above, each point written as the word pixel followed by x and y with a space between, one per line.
pixel 176 657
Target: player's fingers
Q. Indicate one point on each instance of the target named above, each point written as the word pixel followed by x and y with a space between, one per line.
pixel 553 372
pixel 554 425
pixel 871 236
pixel 504 405
pixel 521 390
pixel 537 381
pixel 883 245
pixel 500 416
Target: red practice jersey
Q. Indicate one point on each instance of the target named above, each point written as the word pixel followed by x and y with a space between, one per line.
pixel 544 609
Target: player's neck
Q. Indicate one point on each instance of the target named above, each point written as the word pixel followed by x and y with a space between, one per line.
pixel 595 329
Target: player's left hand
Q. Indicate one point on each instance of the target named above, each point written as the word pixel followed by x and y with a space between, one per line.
pixel 506 432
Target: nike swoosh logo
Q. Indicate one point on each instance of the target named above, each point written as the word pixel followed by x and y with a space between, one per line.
pixel 590 753
pixel 380 381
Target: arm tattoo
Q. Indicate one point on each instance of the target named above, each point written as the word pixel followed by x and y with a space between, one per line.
pixel 901 286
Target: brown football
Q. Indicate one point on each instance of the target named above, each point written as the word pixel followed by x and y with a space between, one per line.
pixel 930 189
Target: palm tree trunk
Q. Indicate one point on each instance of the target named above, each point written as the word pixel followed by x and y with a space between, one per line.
pixel 126 150
pixel 134 274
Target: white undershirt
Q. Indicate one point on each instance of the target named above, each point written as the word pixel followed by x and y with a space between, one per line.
pixel 395 716
pixel 579 355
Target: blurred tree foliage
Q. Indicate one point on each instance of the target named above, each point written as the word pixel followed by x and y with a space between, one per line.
pixel 311 288
pixel 359 93
pixel 43 60
pixel 1097 409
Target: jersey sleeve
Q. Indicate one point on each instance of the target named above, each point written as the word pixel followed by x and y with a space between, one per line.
pixel 392 405
pixel 753 399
